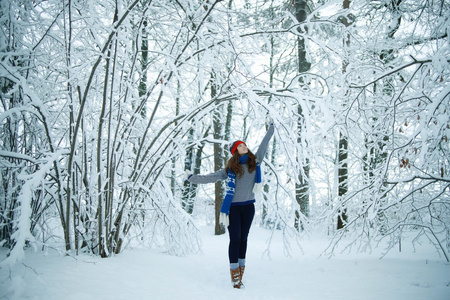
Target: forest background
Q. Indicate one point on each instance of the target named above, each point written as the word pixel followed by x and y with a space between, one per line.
pixel 106 104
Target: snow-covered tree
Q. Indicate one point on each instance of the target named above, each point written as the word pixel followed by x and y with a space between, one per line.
pixel 105 104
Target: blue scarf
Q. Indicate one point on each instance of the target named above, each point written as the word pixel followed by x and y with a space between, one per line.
pixel 231 184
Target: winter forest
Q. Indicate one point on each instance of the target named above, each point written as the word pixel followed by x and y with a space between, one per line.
pixel 106 104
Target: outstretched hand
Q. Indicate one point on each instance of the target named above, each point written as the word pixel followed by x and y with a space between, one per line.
pixel 187 174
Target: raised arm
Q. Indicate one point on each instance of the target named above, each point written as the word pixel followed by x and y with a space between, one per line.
pixel 208 178
pixel 264 143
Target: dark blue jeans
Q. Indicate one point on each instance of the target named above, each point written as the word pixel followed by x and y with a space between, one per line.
pixel 241 217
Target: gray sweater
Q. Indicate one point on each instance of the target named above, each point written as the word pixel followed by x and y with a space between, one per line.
pixel 244 184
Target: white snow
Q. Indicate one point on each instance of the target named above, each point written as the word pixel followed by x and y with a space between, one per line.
pixel 148 274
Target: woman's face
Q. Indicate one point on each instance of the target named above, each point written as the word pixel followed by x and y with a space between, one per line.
pixel 242 149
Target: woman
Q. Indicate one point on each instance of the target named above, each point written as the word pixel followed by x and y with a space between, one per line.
pixel 243 176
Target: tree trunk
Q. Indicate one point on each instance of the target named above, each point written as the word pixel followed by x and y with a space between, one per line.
pixel 301 187
pixel 218 159
pixel 342 178
pixel 343 143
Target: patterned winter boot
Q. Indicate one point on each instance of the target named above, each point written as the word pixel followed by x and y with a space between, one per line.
pixel 241 270
pixel 236 278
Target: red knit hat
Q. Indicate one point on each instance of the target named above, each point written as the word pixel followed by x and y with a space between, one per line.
pixel 235 145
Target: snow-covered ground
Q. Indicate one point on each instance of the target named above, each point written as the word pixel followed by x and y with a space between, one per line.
pixel 148 274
